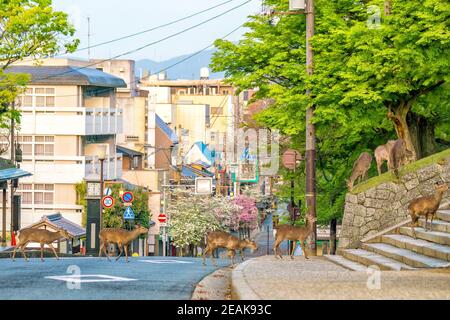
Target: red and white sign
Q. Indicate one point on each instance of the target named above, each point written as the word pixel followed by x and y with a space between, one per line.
pixel 108 201
pixel 162 218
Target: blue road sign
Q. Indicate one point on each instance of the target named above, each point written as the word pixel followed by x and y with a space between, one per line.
pixel 128 214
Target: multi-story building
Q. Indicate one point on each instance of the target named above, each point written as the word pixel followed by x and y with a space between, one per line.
pixel 67 109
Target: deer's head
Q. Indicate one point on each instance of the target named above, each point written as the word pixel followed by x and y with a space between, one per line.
pixel 65 234
pixel 141 230
pixel 441 187
pixel 247 243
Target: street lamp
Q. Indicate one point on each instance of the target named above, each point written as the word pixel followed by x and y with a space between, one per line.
pixel 101 153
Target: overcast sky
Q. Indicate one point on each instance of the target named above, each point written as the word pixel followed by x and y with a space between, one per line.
pixel 116 18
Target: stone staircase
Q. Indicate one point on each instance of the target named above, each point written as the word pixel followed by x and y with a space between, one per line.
pixel 398 250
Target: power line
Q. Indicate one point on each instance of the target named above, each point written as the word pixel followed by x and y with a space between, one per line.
pixel 153 28
pixel 148 44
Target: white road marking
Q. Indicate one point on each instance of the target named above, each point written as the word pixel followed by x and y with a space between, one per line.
pixel 99 278
pixel 165 261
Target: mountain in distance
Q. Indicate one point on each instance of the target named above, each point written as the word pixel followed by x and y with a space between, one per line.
pixel 189 69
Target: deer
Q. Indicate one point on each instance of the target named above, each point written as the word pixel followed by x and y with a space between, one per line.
pixel 382 154
pixel 221 239
pixel 398 155
pixel 360 168
pixel 121 237
pixel 44 237
pixel 426 206
pixel 287 232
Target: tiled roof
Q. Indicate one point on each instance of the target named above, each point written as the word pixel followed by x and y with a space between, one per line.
pixel 59 222
pixel 68 75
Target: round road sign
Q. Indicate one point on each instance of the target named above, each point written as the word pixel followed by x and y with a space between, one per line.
pixel 108 201
pixel 127 196
pixel 162 218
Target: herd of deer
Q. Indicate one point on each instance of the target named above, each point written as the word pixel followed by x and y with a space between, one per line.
pixel 394 152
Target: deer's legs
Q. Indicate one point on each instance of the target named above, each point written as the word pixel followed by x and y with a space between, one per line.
pixel 414 219
pixel 21 246
pixel 54 251
pixel 212 257
pixel 104 250
pixel 276 248
pixel 120 249
pixel 294 246
pixel 126 252
pixel 303 246
pixel 232 253
pixel 431 222
pixel 42 251
pixel 379 164
pixel 242 254
pixel 205 251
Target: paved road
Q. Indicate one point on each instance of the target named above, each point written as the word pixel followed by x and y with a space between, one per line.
pixel 162 278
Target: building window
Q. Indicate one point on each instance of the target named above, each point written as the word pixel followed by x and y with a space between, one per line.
pixel 44 145
pixel 43 97
pixel 135 162
pixel 26 191
pixel 26 145
pixel 43 193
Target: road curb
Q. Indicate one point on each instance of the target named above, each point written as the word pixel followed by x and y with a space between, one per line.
pixel 240 289
pixel 214 286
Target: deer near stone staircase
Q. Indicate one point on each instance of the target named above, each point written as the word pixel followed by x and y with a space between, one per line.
pixel 399 155
pixel 119 236
pixel 426 206
pixel 360 168
pixel 42 236
pixel 287 232
pixel 221 239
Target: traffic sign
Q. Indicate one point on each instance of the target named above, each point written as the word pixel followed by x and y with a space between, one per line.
pixel 108 201
pixel 107 192
pixel 127 196
pixel 128 214
pixel 162 218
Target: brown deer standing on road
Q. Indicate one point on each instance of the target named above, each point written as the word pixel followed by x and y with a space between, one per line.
pixel 382 154
pixel 119 236
pixel 399 155
pixel 360 168
pixel 426 206
pixel 287 232
pixel 221 239
pixel 44 237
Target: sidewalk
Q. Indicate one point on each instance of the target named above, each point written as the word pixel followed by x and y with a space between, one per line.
pixel 266 277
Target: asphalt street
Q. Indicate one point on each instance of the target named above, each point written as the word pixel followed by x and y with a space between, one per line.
pixel 87 278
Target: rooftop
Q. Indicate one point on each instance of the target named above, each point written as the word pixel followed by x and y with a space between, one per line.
pixel 68 75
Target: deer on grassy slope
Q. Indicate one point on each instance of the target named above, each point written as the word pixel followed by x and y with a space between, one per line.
pixel 426 206
pixel 121 237
pixel 360 168
pixel 287 232
pixel 382 154
pixel 44 237
pixel 221 239
pixel 398 155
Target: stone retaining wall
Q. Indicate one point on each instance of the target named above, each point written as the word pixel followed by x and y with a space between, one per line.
pixel 385 205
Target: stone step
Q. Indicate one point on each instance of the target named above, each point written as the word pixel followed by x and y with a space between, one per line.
pixel 437 225
pixel 405 256
pixel 424 247
pixel 368 258
pixel 443 215
pixel 432 236
pixel 346 263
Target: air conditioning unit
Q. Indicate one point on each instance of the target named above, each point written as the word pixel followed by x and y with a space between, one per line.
pixel 295 5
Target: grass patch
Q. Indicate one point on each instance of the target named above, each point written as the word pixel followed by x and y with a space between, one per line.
pixel 411 167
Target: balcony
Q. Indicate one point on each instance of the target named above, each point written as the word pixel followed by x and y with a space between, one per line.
pixel 75 170
pixel 71 121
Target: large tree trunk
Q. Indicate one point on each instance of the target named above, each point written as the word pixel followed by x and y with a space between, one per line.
pixel 398 115
pixel 422 134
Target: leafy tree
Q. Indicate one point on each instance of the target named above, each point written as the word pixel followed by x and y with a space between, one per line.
pixel 29 29
pixel 369 84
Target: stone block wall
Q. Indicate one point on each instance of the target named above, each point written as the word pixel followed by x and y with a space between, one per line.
pixel 371 211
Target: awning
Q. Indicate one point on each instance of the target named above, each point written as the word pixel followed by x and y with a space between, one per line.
pixel 12 174
pixel 128 152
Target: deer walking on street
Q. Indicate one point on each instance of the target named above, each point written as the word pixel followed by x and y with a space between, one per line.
pixel 44 237
pixel 382 154
pixel 287 232
pixel 119 236
pixel 399 155
pixel 426 206
pixel 360 168
pixel 221 239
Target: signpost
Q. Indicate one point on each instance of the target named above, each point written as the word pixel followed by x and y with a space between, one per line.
pixel 108 201
pixel 127 197
pixel 107 192
pixel 128 214
pixel 203 185
pixel 162 218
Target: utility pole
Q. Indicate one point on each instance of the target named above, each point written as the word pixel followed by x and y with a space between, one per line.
pixel 13 159
pixel 179 157
pixel 165 212
pixel 310 129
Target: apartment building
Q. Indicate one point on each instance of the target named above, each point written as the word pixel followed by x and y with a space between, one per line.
pixel 67 110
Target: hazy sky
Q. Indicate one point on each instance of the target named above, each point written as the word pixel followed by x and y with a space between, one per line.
pixel 111 19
